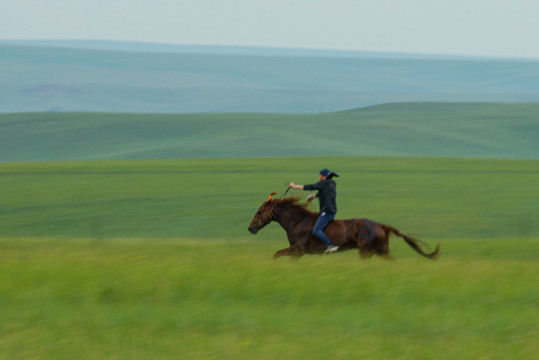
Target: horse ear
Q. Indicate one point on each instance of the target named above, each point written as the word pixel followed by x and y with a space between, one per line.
pixel 271 195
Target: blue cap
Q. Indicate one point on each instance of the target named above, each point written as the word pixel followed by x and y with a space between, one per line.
pixel 325 172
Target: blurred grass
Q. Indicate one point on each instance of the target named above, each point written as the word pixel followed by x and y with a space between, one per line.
pixel 82 274
pixel 218 299
pixel 216 198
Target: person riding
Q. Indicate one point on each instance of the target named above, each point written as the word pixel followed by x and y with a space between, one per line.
pixel 327 195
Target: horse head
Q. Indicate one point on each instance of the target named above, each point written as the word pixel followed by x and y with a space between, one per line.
pixel 263 216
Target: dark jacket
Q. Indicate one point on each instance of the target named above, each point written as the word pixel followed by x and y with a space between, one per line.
pixel 327 194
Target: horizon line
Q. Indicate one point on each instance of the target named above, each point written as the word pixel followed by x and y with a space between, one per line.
pixel 245 50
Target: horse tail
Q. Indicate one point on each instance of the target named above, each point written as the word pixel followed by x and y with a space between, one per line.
pixel 414 243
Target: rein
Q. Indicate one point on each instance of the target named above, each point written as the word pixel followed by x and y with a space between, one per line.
pixel 286 192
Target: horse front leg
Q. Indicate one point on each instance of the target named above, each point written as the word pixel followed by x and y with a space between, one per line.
pixel 282 252
pixel 297 246
pixel 293 251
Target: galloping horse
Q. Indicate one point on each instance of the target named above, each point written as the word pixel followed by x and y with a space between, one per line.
pixel 366 235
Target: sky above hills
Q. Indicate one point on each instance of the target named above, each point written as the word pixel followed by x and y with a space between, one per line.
pixel 496 28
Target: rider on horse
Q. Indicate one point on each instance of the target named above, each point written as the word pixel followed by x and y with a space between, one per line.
pixel 328 208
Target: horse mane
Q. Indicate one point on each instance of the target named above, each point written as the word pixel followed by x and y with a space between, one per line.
pixel 293 203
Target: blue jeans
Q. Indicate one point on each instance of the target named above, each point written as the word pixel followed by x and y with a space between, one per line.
pixel 323 220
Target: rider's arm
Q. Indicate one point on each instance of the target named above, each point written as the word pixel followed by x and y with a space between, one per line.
pixel 306 187
pixel 294 186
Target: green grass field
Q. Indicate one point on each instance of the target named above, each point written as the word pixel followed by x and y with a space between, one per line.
pixel 191 299
pixel 431 198
pixel 152 259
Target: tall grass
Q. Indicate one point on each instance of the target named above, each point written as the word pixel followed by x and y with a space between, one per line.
pixel 216 299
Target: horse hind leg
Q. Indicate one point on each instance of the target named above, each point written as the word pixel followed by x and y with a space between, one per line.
pixel 373 240
pixel 383 251
pixel 365 254
pixel 364 239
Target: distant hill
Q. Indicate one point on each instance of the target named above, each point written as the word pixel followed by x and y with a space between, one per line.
pixel 156 78
pixel 129 46
pixel 411 129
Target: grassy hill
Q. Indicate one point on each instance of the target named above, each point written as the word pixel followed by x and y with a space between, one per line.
pixel 48 78
pixel 416 129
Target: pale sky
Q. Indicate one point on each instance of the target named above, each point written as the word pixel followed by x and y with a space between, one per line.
pixel 508 28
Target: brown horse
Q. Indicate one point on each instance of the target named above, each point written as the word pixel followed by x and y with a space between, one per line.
pixel 298 222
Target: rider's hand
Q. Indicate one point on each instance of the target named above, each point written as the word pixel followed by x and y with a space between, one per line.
pixel 311 197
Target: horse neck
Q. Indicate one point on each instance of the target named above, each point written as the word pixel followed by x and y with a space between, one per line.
pixel 288 217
